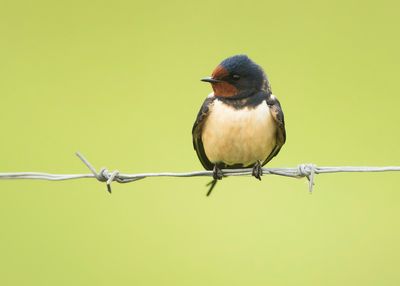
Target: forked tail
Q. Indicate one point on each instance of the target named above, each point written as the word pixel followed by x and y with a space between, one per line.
pixel 212 185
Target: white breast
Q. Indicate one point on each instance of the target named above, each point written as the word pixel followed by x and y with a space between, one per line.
pixel 238 136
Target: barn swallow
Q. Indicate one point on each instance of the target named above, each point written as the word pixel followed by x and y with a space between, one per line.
pixel 241 123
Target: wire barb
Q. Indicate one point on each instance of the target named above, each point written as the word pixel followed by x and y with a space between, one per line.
pixel 301 171
pixel 103 175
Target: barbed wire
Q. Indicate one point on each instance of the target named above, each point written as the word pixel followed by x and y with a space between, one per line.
pixel 301 171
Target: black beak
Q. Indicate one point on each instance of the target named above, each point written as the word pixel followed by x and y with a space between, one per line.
pixel 211 80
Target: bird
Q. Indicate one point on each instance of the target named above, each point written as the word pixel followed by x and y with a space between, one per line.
pixel 241 123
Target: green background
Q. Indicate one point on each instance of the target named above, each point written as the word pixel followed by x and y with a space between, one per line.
pixel 119 81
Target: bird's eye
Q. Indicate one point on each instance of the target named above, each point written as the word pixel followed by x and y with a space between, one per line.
pixel 236 77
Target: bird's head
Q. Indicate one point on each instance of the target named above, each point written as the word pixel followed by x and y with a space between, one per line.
pixel 237 77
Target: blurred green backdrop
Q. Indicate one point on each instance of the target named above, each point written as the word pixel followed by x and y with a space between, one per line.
pixel 119 81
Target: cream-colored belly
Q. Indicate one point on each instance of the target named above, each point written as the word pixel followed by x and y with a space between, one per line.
pixel 238 136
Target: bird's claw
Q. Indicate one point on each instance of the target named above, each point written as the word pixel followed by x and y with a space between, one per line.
pixel 217 173
pixel 257 170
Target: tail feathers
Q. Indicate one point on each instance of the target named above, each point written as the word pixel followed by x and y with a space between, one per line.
pixel 212 185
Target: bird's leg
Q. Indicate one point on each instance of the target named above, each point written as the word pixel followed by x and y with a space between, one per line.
pixel 257 170
pixel 217 173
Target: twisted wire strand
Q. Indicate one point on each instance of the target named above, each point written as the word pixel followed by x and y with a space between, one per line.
pixel 301 171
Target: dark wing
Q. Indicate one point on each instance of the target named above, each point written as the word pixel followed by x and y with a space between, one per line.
pixel 197 131
pixel 277 114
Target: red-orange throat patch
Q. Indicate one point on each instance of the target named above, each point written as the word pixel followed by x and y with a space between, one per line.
pixel 223 89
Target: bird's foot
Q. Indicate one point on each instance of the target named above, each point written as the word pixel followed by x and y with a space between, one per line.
pixel 217 173
pixel 257 170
